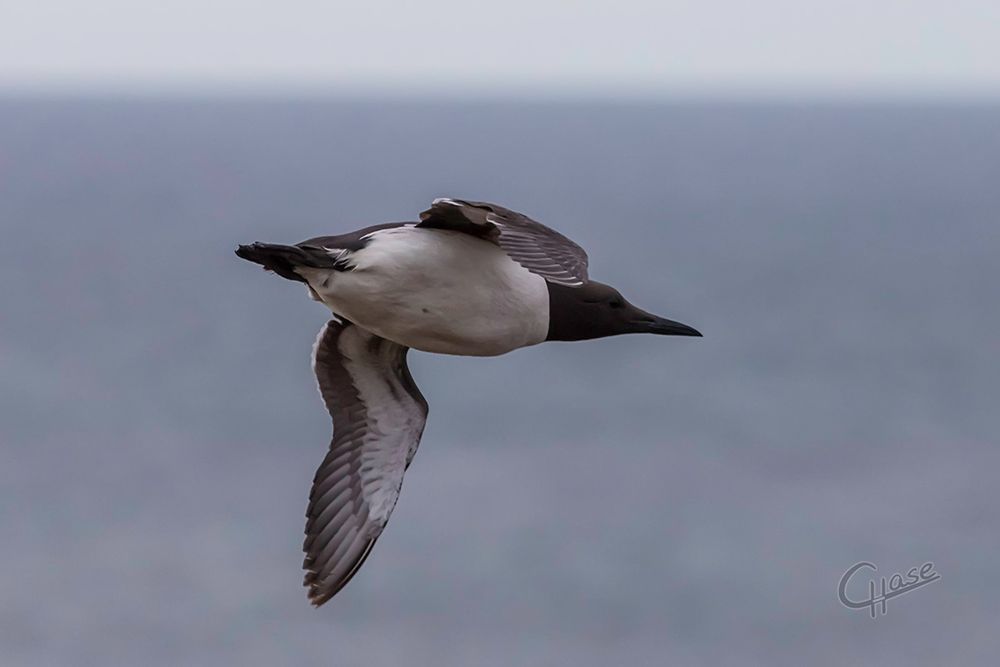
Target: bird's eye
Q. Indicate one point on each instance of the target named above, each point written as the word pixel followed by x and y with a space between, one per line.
pixel 617 303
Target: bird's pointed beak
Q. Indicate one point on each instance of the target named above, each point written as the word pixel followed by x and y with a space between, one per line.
pixel 666 327
pixel 648 323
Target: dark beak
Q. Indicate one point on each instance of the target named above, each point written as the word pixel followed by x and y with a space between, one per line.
pixel 648 323
pixel 666 327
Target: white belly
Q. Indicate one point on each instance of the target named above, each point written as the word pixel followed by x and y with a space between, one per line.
pixel 438 291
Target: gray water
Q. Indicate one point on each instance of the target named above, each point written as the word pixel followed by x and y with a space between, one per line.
pixel 638 500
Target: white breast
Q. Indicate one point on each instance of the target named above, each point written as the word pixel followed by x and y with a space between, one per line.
pixel 438 291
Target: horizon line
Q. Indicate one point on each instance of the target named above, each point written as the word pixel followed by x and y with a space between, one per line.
pixel 614 94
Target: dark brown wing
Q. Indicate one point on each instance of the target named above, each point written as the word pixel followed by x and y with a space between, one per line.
pixel 378 417
pixel 531 244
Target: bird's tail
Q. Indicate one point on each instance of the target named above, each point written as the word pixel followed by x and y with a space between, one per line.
pixel 282 259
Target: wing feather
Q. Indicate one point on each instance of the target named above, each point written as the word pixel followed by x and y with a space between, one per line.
pixel 534 246
pixel 378 417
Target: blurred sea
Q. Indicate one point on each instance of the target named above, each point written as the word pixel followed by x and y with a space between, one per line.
pixel 638 500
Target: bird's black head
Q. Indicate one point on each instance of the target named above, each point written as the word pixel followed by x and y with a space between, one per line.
pixel 596 310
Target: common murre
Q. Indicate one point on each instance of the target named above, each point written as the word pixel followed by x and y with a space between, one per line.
pixel 470 278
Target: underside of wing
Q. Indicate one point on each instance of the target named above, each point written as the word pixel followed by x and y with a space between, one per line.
pixel 378 417
pixel 534 246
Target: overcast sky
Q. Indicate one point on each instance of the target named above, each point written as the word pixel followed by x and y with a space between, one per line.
pixel 662 46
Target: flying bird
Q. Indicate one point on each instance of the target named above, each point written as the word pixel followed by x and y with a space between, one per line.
pixel 471 278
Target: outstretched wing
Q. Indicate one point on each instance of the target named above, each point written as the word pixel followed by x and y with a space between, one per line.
pixel 531 244
pixel 378 417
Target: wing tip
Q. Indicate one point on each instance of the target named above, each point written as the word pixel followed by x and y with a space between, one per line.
pixel 318 598
pixel 320 592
